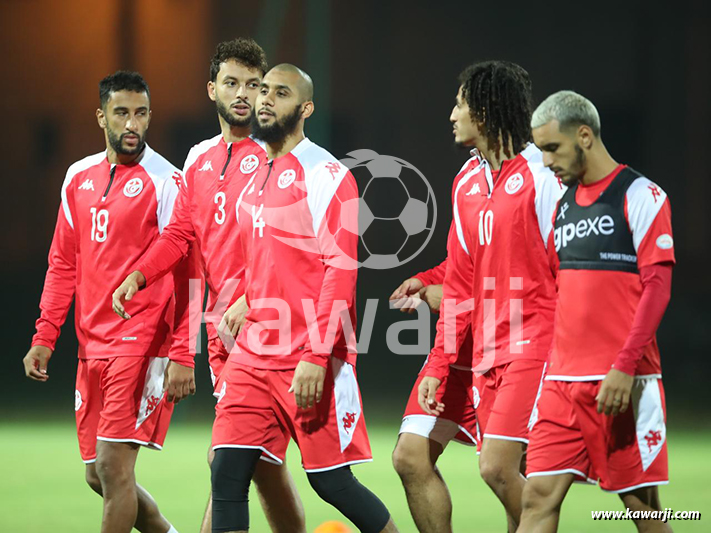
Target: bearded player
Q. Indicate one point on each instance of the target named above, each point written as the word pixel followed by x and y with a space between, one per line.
pixel 216 171
pixel 498 282
pixel 294 375
pixel 114 205
pixel 602 414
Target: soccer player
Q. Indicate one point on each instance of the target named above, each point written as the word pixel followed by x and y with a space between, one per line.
pixel 216 171
pixel 294 375
pixel 498 282
pixel 601 415
pixel 114 205
pixel 424 437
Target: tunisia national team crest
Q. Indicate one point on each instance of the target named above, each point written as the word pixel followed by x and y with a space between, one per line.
pixel 514 183
pixel 133 187
pixel 249 164
pixel 286 178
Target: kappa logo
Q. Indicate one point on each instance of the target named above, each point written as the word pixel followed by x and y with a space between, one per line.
pixel 656 192
pixel 348 421
pixel 206 166
pixel 249 164
pixel 178 179
pixel 77 400
pixel 286 178
pixel 653 438
pixel 476 189
pixel 604 225
pixel 133 188
pixel 476 398
pixel 563 209
pixel 514 183
pixel 333 168
pixel 88 185
pixel 665 242
pixel 151 404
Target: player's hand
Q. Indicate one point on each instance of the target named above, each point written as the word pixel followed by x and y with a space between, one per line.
pixel 432 296
pixel 307 384
pixel 407 296
pixel 179 381
pixel 36 363
pixel 427 396
pixel 125 292
pixel 233 319
pixel 615 392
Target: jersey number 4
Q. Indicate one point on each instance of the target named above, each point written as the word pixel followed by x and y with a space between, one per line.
pixel 99 224
pixel 486 226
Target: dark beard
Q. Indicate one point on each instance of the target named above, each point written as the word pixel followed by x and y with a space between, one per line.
pixel 116 142
pixel 235 122
pixel 278 131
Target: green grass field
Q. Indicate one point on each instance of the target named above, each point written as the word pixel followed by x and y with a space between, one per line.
pixel 43 489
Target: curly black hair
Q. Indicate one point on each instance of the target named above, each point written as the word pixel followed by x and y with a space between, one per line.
pixel 243 50
pixel 122 80
pixel 500 101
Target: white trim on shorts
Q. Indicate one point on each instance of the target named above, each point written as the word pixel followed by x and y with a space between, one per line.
pixel 327 468
pixel 641 485
pixel 564 471
pixel 149 445
pixel 410 425
pixel 505 437
pixel 274 459
pixel 88 462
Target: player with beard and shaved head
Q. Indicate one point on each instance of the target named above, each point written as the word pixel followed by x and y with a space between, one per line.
pixel 298 224
pixel 216 171
pixel 113 205
pixel 602 412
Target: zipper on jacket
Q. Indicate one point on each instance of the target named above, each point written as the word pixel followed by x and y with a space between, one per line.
pixel 229 156
pixel 111 180
pixel 269 173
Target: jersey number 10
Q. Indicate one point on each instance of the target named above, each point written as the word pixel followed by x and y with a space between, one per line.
pixel 486 226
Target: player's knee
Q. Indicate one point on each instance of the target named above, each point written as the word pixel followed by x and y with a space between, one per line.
pixel 539 496
pixel 411 461
pixel 92 478
pixel 494 472
pixel 113 472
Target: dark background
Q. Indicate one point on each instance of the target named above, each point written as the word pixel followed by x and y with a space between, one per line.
pixel 385 76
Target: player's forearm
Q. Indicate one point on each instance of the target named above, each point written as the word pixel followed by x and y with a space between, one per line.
pixel 162 257
pixel 656 293
pixel 188 308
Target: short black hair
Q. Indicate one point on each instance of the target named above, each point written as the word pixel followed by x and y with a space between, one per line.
pixel 243 50
pixel 122 80
pixel 500 99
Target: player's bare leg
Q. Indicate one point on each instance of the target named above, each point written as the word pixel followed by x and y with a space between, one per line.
pixel 541 502
pixel 125 503
pixel 430 505
pixel 500 467
pixel 148 517
pixel 278 496
pixel 645 499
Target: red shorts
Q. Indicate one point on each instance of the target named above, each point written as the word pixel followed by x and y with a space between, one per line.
pixel 217 356
pixel 457 422
pixel 505 397
pixel 254 410
pixel 120 399
pixel 624 452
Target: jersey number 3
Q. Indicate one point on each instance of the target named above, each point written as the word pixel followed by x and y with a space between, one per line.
pixel 99 224
pixel 220 201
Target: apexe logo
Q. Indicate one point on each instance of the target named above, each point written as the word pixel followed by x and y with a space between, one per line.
pixel 604 225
